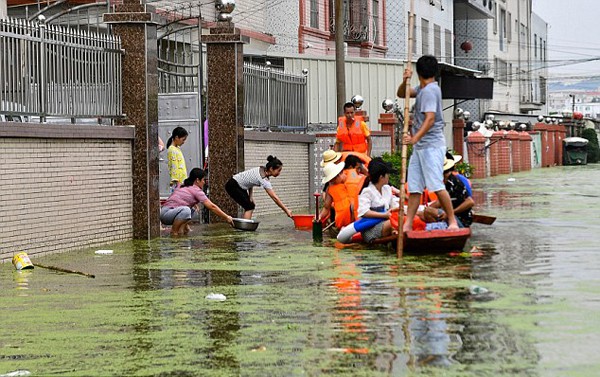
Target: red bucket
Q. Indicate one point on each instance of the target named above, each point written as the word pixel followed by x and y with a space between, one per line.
pixel 303 222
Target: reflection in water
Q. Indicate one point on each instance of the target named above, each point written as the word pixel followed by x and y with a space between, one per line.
pixel 294 309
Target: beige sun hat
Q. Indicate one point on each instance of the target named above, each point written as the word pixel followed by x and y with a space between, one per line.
pixel 330 171
pixel 450 162
pixel 330 156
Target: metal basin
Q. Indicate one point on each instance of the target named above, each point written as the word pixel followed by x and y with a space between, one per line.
pixel 244 224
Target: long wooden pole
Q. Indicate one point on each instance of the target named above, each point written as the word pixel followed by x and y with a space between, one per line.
pixel 340 59
pixel 407 90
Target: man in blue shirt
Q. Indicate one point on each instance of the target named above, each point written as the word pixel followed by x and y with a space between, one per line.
pixel 426 167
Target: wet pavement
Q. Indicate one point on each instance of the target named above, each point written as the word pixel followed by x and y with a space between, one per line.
pixel 527 306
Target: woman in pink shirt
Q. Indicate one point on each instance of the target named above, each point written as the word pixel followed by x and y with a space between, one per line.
pixel 177 210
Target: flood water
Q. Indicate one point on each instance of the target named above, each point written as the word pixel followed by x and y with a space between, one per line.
pixel 296 309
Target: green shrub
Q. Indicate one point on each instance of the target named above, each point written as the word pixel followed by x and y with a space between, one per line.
pixel 593 148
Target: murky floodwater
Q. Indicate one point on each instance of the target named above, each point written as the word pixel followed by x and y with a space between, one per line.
pixel 294 309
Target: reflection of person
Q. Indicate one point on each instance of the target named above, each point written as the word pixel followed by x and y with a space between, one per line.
pixel 352 133
pixel 462 202
pixel 427 137
pixel 240 186
pixel 177 169
pixel 177 210
pixel 376 200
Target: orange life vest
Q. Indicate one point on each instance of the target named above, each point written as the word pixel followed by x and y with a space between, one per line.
pixel 342 203
pixel 351 137
pixel 426 196
pixel 354 183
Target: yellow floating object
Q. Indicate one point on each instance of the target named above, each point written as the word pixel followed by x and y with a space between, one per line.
pixel 21 261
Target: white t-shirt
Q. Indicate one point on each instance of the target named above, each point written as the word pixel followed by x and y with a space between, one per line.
pixel 370 197
pixel 252 178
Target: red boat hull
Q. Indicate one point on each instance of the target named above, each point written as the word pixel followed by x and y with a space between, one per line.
pixel 436 241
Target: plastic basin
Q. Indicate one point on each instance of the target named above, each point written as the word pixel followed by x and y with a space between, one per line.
pixel 303 221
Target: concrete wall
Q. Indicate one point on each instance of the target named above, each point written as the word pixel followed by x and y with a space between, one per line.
pixel 64 187
pixel 293 186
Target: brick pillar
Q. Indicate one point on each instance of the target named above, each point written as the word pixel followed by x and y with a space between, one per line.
pixel 515 151
pixel 499 153
pixel 525 144
pixel 225 76
pixel 542 128
pixel 458 132
pixel 476 153
pixel 137 29
pixel 388 122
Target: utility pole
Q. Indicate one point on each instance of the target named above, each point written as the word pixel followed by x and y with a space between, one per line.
pixel 340 61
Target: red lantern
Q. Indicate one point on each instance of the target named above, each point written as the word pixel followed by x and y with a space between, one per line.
pixel 466 46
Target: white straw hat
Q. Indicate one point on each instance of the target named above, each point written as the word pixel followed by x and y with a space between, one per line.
pixel 449 163
pixel 330 171
pixel 330 156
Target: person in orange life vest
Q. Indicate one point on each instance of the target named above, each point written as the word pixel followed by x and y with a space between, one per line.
pixel 353 179
pixel 336 195
pixel 353 134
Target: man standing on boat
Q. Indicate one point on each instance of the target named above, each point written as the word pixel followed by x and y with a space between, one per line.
pixel 353 134
pixel 426 166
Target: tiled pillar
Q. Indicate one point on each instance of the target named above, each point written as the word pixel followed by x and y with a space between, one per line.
pixel 561 131
pixel 388 122
pixel 551 145
pixel 525 144
pixel 458 132
pixel 542 128
pixel 515 151
pixel 225 77
pixel 137 29
pixel 476 153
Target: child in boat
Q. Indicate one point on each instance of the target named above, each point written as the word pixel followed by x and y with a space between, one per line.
pixel 177 210
pixel 240 186
pixel 462 202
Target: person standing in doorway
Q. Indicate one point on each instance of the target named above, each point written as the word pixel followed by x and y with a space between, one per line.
pixel 426 166
pixel 177 169
pixel 240 186
pixel 353 134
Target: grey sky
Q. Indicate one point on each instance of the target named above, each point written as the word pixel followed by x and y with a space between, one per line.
pixel 573 33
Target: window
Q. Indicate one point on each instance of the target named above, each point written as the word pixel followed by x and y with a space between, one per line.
pixel 509 27
pixel 448 47
pixel 544 51
pixel 500 70
pixel 495 17
pixel 437 41
pixel 375 20
pixel 425 36
pixel 502 29
pixel 414 49
pixel 535 54
pixel 314 14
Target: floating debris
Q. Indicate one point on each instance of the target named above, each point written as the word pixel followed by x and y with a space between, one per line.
pixel 215 297
pixel 511 179
pixel 477 290
pixel 103 252
pixel 17 373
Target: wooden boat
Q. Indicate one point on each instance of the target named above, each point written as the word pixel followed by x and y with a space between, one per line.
pixel 428 241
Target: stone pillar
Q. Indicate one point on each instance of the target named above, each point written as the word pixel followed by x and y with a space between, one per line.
pixel 477 151
pixel 388 122
pixel 225 104
pixel 515 151
pixel 525 144
pixel 551 145
pixel 458 132
pixel 363 114
pixel 137 29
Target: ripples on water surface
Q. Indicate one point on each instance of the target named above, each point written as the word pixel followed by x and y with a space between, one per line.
pixel 295 309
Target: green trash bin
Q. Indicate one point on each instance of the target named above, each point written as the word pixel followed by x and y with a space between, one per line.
pixel 575 151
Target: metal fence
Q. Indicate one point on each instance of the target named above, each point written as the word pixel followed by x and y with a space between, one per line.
pixel 274 100
pixel 49 70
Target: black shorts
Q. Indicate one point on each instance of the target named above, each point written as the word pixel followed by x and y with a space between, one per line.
pixel 239 194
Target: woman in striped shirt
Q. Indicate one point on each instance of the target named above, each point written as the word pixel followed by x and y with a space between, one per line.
pixel 240 186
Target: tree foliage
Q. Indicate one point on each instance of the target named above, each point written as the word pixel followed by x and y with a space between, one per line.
pixel 592 147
